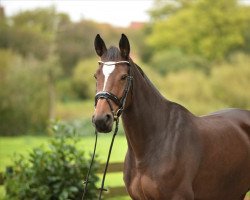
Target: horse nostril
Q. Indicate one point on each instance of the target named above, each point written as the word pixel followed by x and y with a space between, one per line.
pixel 108 117
pixel 103 123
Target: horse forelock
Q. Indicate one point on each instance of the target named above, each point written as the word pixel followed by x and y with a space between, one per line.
pixel 113 54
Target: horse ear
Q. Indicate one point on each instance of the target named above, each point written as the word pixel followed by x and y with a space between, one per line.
pixel 100 46
pixel 124 46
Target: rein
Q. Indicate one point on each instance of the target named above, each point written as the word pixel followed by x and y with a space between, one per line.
pixel 120 102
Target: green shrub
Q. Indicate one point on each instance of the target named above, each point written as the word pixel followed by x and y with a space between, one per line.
pixel 83 81
pixel 24 100
pixel 65 93
pixel 174 61
pixel 231 81
pixel 192 89
pixel 56 172
pixel 227 85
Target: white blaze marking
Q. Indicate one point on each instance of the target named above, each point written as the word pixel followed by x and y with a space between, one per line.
pixel 107 69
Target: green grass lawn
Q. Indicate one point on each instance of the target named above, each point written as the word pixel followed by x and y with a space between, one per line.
pixel 24 144
pixel 9 146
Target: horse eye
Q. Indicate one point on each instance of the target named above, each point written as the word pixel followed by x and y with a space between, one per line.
pixel 124 77
pixel 95 76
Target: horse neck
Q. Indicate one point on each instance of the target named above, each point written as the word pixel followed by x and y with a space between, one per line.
pixel 141 119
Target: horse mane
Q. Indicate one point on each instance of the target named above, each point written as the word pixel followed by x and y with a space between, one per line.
pixel 140 70
pixel 145 77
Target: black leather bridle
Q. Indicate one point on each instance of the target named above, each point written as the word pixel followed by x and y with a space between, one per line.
pixel 120 102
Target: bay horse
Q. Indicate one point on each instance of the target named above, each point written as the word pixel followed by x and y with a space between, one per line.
pixel 172 154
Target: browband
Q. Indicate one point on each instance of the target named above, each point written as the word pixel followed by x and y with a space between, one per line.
pixel 114 62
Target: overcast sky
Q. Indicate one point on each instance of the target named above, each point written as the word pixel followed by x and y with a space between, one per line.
pixel 115 12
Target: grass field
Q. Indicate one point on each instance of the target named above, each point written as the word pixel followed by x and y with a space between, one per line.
pixel 24 144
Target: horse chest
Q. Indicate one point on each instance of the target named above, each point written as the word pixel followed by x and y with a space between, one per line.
pixel 143 187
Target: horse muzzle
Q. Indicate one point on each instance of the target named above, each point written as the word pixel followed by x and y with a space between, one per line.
pixel 103 123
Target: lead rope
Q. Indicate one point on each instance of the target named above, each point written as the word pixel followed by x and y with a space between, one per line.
pixel 90 167
pixel 107 162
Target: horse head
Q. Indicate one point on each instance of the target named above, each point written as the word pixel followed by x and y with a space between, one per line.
pixel 113 82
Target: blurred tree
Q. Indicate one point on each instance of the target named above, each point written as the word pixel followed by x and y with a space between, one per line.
pixel 137 42
pixel 53 71
pixel 75 41
pixel 231 81
pixel 24 101
pixel 163 9
pixel 4 29
pixel 83 78
pixel 226 86
pixel 33 32
pixel 209 28
pixel 245 14
pixel 172 61
pixel 192 89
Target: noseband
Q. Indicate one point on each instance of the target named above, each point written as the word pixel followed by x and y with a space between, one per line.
pixel 120 102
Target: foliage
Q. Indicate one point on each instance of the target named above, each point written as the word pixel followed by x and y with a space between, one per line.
pixel 55 172
pixel 43 31
pixel 24 102
pixel 75 41
pixel 231 81
pixel 33 32
pixel 162 10
pixel 175 60
pixel 192 89
pixel 224 86
pixel 206 28
pixel 83 81
pixel 64 90
pixel 4 30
